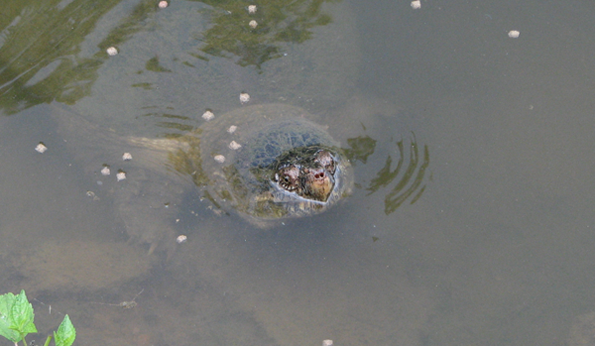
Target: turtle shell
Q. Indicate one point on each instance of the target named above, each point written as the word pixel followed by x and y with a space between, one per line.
pixel 242 157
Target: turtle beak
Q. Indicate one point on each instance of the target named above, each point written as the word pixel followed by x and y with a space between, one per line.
pixel 318 184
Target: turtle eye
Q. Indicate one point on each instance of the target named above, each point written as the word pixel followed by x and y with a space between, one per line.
pixel 331 166
pixel 325 159
pixel 288 177
pixel 287 182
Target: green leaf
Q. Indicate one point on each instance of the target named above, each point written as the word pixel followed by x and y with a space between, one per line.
pixel 21 315
pixel 6 302
pixel 65 334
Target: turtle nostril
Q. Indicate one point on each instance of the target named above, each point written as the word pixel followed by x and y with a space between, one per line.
pixel 319 175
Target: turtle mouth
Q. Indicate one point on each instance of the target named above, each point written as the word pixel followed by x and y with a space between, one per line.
pixel 311 179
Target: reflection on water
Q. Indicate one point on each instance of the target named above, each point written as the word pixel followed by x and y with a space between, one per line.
pixel 411 178
pixel 38 43
pixel 40 66
pixel 278 21
pixel 410 174
pixel 360 148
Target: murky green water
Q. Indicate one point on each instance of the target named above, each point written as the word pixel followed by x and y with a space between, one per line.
pixel 470 222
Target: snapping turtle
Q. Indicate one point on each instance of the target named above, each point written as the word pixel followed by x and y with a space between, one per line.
pixel 266 162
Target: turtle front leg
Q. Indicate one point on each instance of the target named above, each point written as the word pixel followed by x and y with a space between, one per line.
pixel 147 205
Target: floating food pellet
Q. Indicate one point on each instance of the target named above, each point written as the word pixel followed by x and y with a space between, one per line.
pixel 234 145
pixel 181 239
pixel 232 129
pixel 111 51
pixel 416 4
pixel 121 175
pixel 41 148
pixel 106 170
pixel 163 4
pixel 252 9
pixel 208 115
pixel 219 158
pixel 127 157
pixel 253 24
pixel 244 97
pixel 513 34
pixel 327 343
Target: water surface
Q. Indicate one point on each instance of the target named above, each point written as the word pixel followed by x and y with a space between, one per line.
pixel 470 221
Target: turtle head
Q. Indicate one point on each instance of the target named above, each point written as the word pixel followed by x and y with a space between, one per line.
pixel 318 177
pixel 311 178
